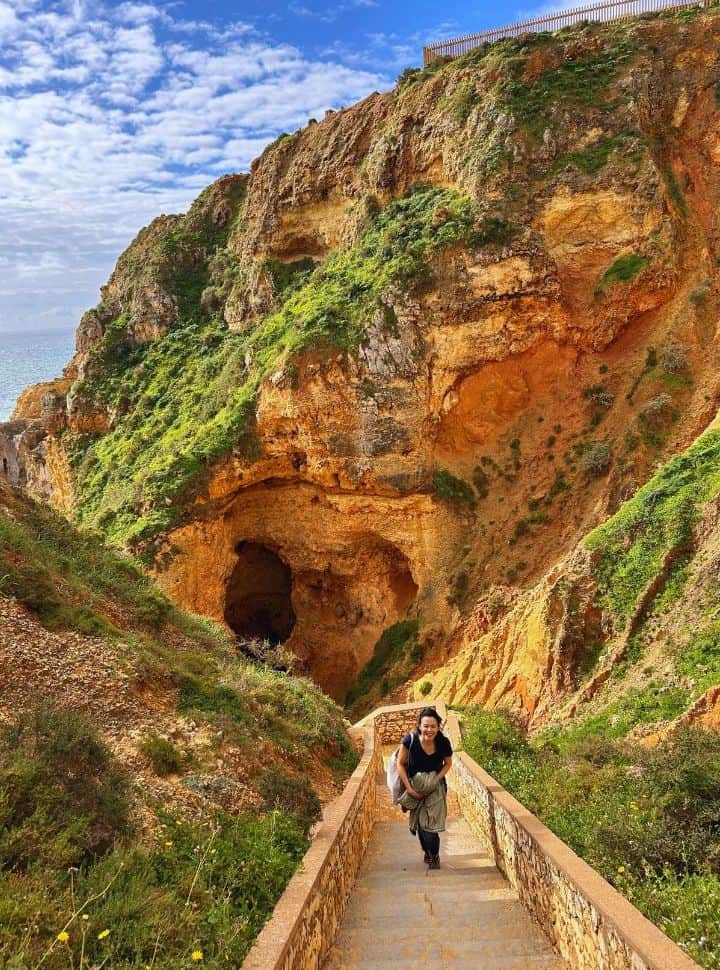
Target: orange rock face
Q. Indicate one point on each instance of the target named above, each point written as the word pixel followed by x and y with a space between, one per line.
pixel 514 356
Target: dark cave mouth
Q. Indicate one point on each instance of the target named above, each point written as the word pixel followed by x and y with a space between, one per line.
pixel 258 601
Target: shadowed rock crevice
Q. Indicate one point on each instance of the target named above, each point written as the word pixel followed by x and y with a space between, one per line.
pixel 258 595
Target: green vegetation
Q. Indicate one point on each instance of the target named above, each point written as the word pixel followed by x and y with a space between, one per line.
pixel 596 156
pixel 69 577
pixel 165 757
pixel 288 277
pixel 203 888
pixel 577 81
pixel 62 801
pixel 481 481
pixel 459 588
pixel 292 795
pixel 455 491
pixel 395 652
pixel 493 231
pixel 599 396
pixel 660 517
pixel 558 486
pixel 522 528
pixel 189 398
pixel 657 412
pixel 462 102
pixel 595 459
pixel 623 270
pixel 645 819
pixel 673 358
pixel 674 190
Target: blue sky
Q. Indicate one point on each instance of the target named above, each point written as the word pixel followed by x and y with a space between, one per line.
pixel 113 112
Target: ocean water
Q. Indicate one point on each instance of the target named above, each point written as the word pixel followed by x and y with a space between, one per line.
pixel 26 358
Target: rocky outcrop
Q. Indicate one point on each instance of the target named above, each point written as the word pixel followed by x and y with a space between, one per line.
pixel 530 655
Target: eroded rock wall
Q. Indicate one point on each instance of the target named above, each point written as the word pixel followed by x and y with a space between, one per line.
pixel 525 360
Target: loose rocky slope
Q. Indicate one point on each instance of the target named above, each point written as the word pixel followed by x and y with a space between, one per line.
pixel 399 371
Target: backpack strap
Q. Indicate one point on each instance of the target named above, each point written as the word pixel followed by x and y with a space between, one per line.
pixel 412 738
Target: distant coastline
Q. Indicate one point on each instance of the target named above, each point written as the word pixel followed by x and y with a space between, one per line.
pixel 30 357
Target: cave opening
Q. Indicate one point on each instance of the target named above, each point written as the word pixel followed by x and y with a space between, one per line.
pixel 258 598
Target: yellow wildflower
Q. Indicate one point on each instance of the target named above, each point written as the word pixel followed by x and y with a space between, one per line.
pixel 85 916
pixel 63 936
pixel 196 955
pixel 621 869
pixel 168 844
pixel 102 934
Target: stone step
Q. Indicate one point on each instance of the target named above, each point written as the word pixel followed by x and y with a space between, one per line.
pixel 440 955
pixel 402 914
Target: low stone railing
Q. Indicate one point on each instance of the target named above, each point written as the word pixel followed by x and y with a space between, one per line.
pixel 590 923
pixel 307 916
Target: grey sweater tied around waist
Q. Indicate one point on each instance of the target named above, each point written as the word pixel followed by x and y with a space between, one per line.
pixel 431 812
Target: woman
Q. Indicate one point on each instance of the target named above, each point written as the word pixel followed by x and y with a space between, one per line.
pixel 424 751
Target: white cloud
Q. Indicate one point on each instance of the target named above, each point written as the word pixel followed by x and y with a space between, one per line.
pixel 112 113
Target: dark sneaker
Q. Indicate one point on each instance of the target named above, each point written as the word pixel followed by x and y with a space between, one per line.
pixel 427 858
pixel 434 862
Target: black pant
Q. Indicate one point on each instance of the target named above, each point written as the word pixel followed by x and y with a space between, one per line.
pixel 430 841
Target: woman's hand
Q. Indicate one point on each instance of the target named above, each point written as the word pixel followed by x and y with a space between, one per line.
pixel 415 794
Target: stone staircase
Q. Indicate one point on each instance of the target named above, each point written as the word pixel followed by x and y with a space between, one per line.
pixel 401 914
pixel 509 895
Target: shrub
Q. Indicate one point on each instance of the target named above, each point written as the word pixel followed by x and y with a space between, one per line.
pixel 62 799
pixel 165 758
pixel 599 396
pixel 460 585
pixel 153 607
pixel 448 488
pixel 276 656
pixel 198 694
pixel 595 460
pixel 290 794
pixel 623 270
pixel 481 482
pixel 462 102
pixel 656 413
pixel 673 358
pixel 522 527
pixel 398 643
pixel 493 231
pixel 425 687
pixel 559 485
pixel 676 821
pixel 409 76
pixel 700 294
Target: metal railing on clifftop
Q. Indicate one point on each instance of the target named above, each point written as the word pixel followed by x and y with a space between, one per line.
pixel 601 12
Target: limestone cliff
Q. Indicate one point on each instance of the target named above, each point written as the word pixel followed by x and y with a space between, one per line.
pixel 404 366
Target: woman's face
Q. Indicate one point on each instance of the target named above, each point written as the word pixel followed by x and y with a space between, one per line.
pixel 428 728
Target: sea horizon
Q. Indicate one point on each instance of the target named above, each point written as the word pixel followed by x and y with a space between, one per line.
pixel 30 357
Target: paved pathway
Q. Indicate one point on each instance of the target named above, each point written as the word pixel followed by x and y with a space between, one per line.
pixel 465 914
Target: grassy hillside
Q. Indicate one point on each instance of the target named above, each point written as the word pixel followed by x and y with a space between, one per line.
pixel 155 791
